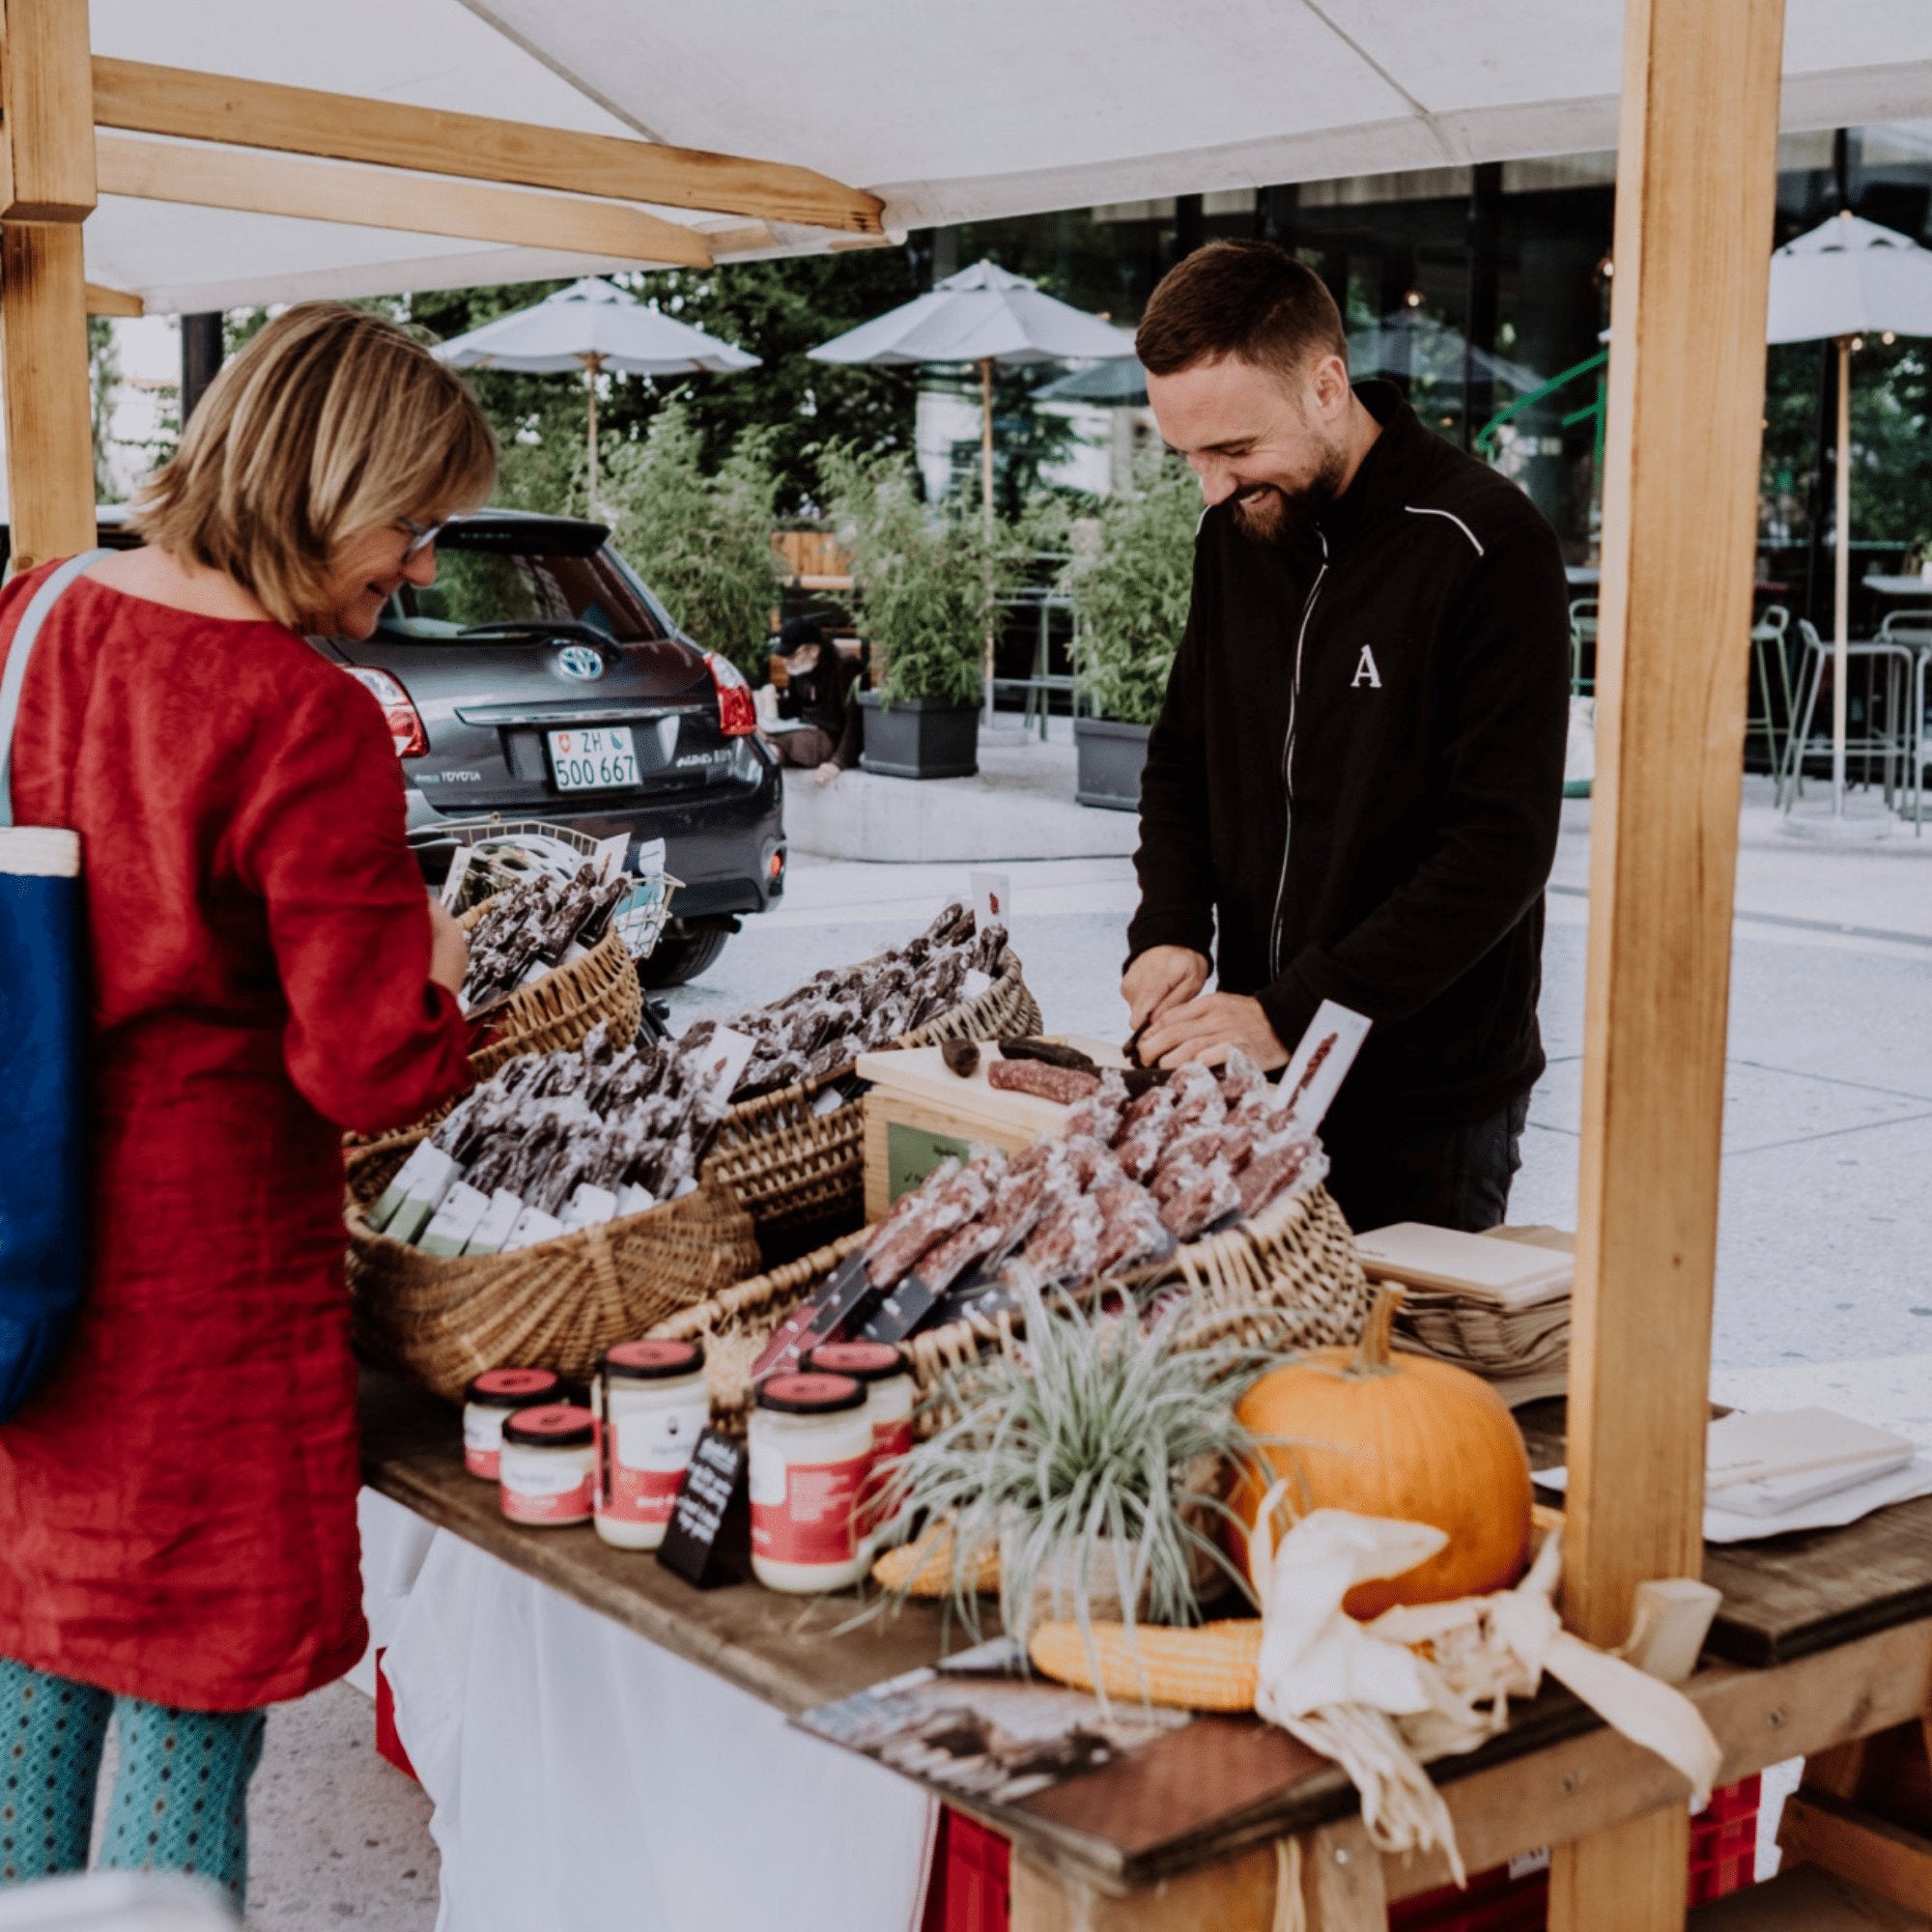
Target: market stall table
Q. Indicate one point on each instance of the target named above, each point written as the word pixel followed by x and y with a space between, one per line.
pixel 1821 1637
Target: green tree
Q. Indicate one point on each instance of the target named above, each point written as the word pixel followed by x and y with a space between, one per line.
pixel 1131 579
pixel 923 572
pixel 703 540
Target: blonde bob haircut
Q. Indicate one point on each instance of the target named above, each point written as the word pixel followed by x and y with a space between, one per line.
pixel 329 424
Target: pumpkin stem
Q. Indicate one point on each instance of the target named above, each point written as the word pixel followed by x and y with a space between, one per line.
pixel 1373 1352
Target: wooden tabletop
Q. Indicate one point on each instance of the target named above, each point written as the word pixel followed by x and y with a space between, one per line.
pixel 1201 1792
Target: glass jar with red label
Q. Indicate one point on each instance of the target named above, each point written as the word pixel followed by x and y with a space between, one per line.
pixel 652 1405
pixel 886 1376
pixel 490 1400
pixel 811 1450
pixel 548 1468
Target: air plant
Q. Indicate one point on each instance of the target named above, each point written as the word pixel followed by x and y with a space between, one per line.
pixel 1092 1462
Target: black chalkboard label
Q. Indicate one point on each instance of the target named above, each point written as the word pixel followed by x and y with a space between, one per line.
pixel 709 1540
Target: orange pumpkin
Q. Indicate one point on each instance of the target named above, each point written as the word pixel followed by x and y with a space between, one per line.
pixel 1397 1435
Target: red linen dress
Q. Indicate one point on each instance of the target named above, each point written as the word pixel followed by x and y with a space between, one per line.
pixel 178 1502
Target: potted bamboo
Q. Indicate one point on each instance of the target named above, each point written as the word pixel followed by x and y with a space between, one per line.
pixel 924 583
pixel 1130 582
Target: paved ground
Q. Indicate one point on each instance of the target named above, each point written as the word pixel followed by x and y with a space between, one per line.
pixel 1825 1245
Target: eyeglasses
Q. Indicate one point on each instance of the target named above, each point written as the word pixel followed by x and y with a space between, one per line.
pixel 420 536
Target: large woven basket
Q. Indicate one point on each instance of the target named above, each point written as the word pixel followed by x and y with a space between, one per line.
pixel 792 1169
pixel 1288 1278
pixel 552 1306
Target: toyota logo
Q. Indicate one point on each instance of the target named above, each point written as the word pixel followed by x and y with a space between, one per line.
pixel 580 662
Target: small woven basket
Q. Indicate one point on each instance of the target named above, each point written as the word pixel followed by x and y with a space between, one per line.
pixel 552 1306
pixel 1290 1278
pixel 561 1010
pixel 791 1168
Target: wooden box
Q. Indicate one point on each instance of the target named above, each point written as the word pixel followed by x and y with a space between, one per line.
pixel 919 1112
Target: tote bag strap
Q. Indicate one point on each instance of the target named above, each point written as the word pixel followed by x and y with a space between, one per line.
pixel 42 601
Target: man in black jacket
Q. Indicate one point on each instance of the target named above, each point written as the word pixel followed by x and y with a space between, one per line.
pixel 1354 789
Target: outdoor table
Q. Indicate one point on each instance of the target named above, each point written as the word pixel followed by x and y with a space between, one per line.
pixel 1822 1638
pixel 1912 585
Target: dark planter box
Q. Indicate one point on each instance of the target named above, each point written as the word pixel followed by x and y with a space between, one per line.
pixel 919 737
pixel 1111 757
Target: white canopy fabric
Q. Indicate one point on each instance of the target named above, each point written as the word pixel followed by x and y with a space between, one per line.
pixel 984 313
pixel 593 324
pixel 1849 276
pixel 949 114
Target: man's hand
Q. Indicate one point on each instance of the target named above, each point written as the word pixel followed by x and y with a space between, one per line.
pixel 1161 978
pixel 449 948
pixel 826 773
pixel 1209 1029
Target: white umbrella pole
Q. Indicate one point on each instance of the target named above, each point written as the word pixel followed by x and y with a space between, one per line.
pixel 590 390
pixel 1841 597
pixel 986 509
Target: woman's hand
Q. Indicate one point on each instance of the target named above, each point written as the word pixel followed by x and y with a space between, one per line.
pixel 449 948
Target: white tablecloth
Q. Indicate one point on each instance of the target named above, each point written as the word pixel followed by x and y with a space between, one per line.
pixel 585 1779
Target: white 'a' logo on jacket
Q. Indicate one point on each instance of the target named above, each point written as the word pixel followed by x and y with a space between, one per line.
pixel 1366 671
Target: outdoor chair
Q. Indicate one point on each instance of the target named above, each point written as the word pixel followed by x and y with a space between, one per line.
pixel 1771 661
pixel 1583 631
pixel 1877 731
pixel 1913 630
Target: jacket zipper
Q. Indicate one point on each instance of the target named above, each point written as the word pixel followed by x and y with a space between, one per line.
pixel 1288 762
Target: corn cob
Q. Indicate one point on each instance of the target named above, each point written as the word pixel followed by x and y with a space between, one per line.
pixel 1211 1668
pixel 924 1567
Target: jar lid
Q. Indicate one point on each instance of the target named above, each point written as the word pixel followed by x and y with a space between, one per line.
pixel 558 1425
pixel 868 1361
pixel 811 1393
pixel 514 1388
pixel 651 1360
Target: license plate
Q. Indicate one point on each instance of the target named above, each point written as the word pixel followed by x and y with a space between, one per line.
pixel 602 759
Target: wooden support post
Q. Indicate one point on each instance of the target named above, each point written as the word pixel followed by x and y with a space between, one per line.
pixel 1337 1871
pixel 1696 176
pixel 47 190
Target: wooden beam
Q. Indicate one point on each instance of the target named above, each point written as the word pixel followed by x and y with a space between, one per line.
pixel 343 127
pixel 48 406
pixel 378 198
pixel 46 98
pixel 1696 178
pixel 103 301
pixel 1853 1844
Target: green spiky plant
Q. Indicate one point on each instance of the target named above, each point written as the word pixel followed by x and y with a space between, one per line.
pixel 1092 1462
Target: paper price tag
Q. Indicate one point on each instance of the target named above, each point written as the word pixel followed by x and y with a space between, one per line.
pixel 1321 1063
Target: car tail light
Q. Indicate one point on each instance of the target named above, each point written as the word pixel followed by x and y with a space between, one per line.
pixel 399 711
pixel 737 712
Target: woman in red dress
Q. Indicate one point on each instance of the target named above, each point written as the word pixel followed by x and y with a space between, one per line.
pixel 177 1541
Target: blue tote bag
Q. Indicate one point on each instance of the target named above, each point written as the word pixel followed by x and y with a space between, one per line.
pixel 42 1026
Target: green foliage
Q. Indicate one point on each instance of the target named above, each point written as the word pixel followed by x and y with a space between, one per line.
pixel 702 540
pixel 1130 582
pixel 923 575
pixel 1091 1462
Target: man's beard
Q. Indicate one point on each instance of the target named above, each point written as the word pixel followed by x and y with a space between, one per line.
pixel 1272 514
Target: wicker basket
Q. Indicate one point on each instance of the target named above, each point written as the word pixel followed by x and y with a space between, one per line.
pixel 552 1306
pixel 791 1168
pixel 1290 1278
pixel 561 1009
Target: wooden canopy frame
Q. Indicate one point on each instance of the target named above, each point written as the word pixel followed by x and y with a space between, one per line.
pixel 1693 230
pixel 293 151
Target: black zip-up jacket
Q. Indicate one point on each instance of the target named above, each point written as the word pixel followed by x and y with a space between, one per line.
pixel 1353 790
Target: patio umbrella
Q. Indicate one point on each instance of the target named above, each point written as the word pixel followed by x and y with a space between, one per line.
pixel 983 315
pixel 1424 349
pixel 593 325
pixel 1844 279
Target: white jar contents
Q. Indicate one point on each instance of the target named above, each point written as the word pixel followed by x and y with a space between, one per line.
pixel 490 1400
pixel 549 1462
pixel 887 1379
pixel 652 1406
pixel 811 1450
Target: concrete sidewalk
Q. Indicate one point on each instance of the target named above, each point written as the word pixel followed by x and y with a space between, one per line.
pixel 1021 807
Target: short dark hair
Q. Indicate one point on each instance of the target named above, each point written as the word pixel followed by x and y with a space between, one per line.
pixel 1246 298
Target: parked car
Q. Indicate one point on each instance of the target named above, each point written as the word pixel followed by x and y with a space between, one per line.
pixel 539 678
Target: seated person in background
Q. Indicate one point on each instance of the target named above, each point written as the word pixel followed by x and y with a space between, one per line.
pixel 821 692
